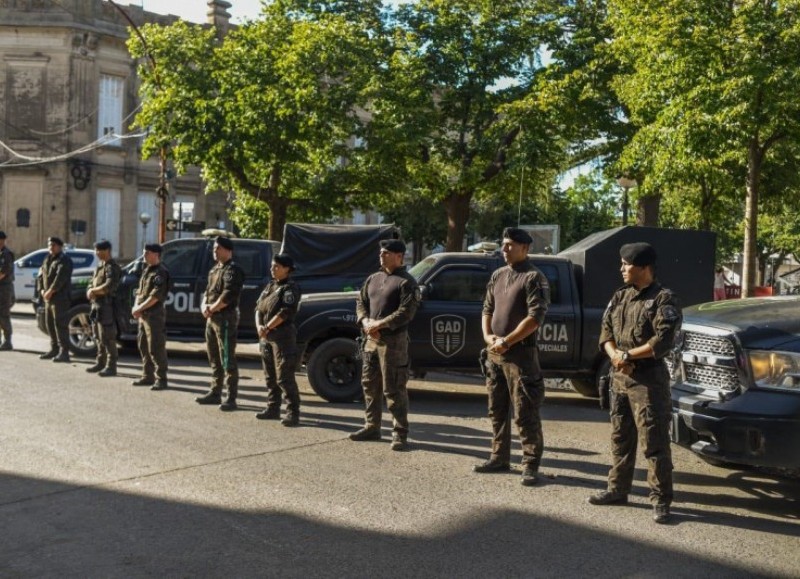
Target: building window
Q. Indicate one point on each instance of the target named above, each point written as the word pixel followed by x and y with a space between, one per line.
pixel 108 217
pixel 109 114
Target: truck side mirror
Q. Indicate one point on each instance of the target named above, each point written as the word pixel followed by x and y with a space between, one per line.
pixel 425 289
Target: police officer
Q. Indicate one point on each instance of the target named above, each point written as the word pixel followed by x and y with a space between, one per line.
pixel 275 311
pixel 101 294
pixel 149 308
pixel 516 302
pixel 6 291
pixel 384 307
pixel 638 331
pixel 54 285
pixel 220 307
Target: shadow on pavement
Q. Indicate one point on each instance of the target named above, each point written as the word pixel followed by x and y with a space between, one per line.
pixel 55 529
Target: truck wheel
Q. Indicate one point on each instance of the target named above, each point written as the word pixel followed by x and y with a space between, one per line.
pixel 81 340
pixel 334 372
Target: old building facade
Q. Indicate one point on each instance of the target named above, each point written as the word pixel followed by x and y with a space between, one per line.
pixel 70 164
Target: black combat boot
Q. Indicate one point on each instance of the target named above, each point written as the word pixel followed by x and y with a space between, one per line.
pixel 530 475
pixel 48 355
pixel 143 381
pixel 399 442
pixel 661 514
pixel 269 413
pixel 210 398
pixel 229 404
pixel 159 385
pixel 291 419
pixel 63 357
pixel 6 345
pixel 366 433
pixel 96 368
pixel 108 371
pixel 608 498
pixel 492 465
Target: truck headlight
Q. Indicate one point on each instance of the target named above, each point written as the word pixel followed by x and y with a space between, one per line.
pixel 775 369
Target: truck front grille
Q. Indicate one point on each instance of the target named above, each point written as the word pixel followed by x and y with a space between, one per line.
pixel 718 345
pixel 712 377
pixel 708 361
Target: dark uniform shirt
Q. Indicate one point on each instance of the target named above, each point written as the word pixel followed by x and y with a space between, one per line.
pixel 393 297
pixel 154 283
pixel 225 280
pixel 110 273
pixel 6 266
pixel 278 298
pixel 56 274
pixel 637 317
pixel 514 293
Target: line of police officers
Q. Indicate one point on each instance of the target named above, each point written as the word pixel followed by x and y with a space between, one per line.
pixel 638 330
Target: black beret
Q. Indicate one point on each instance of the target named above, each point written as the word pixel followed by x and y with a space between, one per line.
pixel 102 244
pixel 224 242
pixel 284 259
pixel 518 235
pixel 56 240
pixel 393 245
pixel 639 254
pixel 154 247
pixel 2 234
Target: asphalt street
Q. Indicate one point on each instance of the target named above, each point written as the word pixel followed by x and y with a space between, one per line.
pixel 99 478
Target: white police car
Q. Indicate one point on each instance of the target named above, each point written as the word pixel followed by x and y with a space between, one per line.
pixel 26 268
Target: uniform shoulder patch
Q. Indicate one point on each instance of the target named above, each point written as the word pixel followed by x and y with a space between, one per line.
pixel 671 313
pixel 288 297
pixel 417 294
pixel 157 279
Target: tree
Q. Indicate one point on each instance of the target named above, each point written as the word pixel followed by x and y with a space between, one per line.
pixel 438 120
pixel 712 83
pixel 269 110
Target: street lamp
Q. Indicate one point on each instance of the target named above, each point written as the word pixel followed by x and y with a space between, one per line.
pixel 626 183
pixel 145 218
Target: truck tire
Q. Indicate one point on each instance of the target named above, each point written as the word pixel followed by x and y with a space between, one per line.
pixel 81 340
pixel 334 372
pixel 593 388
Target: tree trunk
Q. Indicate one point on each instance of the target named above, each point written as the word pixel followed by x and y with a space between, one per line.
pixel 456 206
pixel 750 266
pixel 278 207
pixel 648 210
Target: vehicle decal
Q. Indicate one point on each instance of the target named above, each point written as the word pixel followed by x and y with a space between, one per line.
pixel 448 334
pixel 553 338
pixel 182 302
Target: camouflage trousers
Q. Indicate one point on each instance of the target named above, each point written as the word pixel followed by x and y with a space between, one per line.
pixel 221 332
pixel 56 320
pixel 6 302
pixel 514 380
pixel 385 374
pixel 641 412
pixel 105 333
pixel 152 342
pixel 279 360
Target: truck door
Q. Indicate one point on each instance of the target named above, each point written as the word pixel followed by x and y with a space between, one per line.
pixel 255 259
pixel 558 339
pixel 184 259
pixel 446 331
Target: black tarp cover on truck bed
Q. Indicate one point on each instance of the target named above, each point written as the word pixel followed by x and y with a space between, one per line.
pixel 685 262
pixel 320 249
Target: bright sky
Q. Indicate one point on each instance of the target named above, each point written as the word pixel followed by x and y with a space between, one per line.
pixel 195 10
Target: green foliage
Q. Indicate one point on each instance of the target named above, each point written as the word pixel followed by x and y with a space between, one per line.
pixel 269 110
pixel 712 87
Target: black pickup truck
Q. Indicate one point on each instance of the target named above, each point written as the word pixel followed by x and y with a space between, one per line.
pixel 333 258
pixel 446 331
pixel 736 382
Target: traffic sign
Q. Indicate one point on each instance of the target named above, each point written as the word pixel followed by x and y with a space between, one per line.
pixel 173 225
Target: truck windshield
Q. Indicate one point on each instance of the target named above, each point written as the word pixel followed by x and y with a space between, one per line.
pixel 423 267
